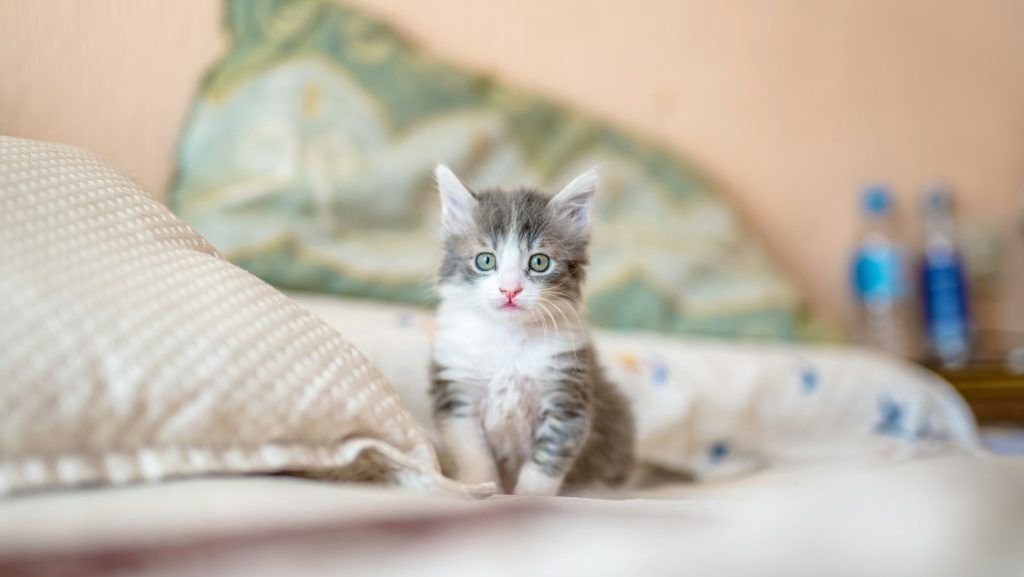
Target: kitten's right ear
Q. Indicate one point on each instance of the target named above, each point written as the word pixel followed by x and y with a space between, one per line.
pixel 457 202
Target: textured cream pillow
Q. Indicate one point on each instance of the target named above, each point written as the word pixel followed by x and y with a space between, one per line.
pixel 130 351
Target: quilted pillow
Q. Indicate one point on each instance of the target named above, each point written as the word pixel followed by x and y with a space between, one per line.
pixel 308 154
pixel 130 351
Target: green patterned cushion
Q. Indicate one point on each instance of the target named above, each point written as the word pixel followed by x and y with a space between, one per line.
pixel 308 154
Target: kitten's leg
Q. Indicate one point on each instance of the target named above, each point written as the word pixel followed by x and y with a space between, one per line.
pixel 466 444
pixel 562 428
pixel 461 431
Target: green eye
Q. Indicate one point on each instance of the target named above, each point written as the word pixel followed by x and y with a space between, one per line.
pixel 485 261
pixel 539 262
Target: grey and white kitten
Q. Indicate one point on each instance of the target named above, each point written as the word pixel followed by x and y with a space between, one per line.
pixel 518 396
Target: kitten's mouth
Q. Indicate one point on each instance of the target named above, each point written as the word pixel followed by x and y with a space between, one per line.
pixel 510 306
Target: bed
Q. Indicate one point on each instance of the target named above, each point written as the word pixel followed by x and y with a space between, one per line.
pixel 953 513
pixel 892 508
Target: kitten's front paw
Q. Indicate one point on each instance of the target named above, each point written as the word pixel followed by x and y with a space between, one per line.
pixel 477 474
pixel 534 482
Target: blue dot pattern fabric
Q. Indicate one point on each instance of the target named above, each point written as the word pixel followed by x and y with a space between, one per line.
pixel 808 379
pixel 721 409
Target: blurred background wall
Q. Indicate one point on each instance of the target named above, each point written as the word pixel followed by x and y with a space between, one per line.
pixel 792 104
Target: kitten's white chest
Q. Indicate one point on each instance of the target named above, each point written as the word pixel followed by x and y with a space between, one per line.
pixel 509 417
pixel 474 351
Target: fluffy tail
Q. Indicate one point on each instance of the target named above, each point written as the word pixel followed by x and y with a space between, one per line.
pixel 647 475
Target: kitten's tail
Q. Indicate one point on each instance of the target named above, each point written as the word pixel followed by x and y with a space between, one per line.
pixel 648 474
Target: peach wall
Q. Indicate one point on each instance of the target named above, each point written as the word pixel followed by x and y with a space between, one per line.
pixel 790 104
pixel 113 76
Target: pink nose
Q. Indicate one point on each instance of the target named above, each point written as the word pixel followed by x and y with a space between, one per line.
pixel 511 294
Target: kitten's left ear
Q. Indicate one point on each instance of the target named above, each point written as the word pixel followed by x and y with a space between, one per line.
pixel 575 202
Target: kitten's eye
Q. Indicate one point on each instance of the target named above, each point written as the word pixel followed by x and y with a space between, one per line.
pixel 485 261
pixel 539 262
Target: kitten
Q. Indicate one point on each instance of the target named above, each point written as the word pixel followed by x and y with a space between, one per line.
pixel 518 396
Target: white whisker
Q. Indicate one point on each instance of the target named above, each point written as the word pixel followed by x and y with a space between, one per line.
pixel 544 324
pixel 572 309
pixel 572 339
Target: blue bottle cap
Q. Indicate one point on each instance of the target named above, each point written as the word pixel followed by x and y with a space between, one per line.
pixel 936 199
pixel 875 199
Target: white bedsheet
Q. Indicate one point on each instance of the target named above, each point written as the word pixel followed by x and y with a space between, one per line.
pixel 949 516
pixel 716 409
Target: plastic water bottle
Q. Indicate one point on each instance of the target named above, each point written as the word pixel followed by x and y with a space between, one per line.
pixel 943 283
pixel 879 277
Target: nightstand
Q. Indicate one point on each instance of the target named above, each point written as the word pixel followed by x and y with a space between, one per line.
pixel 995 394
